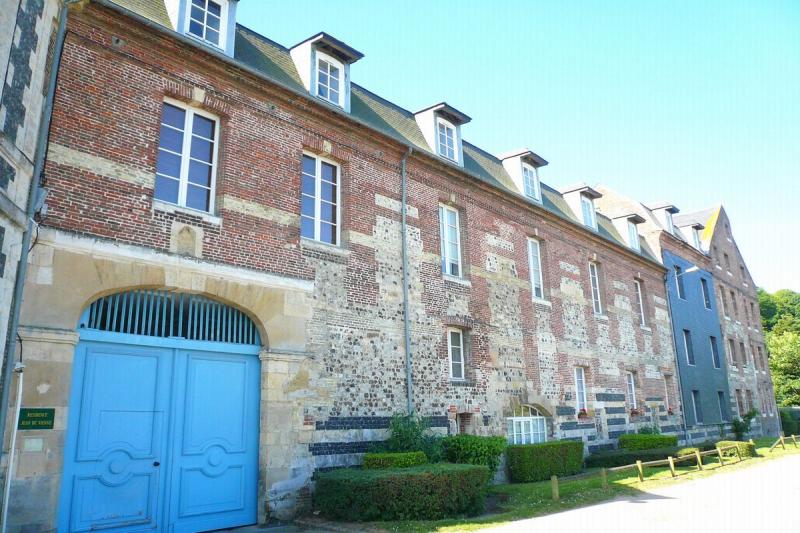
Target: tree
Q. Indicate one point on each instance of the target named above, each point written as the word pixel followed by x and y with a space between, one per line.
pixel 785 365
pixel 769 309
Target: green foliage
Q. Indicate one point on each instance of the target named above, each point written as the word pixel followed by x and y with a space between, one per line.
pixel 408 433
pixel 474 450
pixel 649 430
pixel 789 424
pixel 537 462
pixel 686 451
pixel 429 492
pixel 784 362
pixel 745 448
pixel 647 442
pixel 610 459
pixel 780 312
pixel 394 460
pixel 741 426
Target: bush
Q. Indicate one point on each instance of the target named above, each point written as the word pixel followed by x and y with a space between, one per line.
pixel 537 462
pixel 408 433
pixel 691 450
pixel 394 460
pixel 741 426
pixel 474 450
pixel 649 430
pixel 745 448
pixel 610 459
pixel 789 425
pixel 426 492
pixel 647 442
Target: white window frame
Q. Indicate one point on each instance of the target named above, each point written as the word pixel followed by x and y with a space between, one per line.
pixel 721 401
pixel 526 429
pixel 223 25
pixel 318 197
pixel 444 242
pixel 680 289
pixel 530 182
pixel 706 293
pixel 714 348
pixel 640 299
pixel 322 56
pixel 630 382
pixel 535 266
pixel 687 345
pixel 594 284
pixel 450 347
pixel 580 388
pixel 697 242
pixel 697 416
pixel 440 122
pixel 588 211
pixel 732 350
pixel 670 222
pixel 185 155
pixel 667 404
pixel 633 236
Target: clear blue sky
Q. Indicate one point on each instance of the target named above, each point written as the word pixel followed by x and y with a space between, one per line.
pixel 693 102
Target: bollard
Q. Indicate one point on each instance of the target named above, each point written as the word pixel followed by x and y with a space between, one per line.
pixel 640 470
pixel 604 478
pixel 699 459
pixel 554 487
pixel 671 465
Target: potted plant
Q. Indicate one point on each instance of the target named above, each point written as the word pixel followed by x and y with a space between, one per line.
pixel 670 411
pixel 635 412
pixel 582 413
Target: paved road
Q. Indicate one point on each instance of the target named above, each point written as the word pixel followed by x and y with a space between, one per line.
pixel 763 498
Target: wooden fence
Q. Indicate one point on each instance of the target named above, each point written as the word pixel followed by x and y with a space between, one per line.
pixel 697 457
pixel 782 441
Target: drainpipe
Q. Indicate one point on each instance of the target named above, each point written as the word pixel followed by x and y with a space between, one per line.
pixel 686 436
pixel 406 322
pixel 34 196
pixel 19 368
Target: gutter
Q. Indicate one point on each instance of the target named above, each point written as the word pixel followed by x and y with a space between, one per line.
pixel 404 241
pixel 34 197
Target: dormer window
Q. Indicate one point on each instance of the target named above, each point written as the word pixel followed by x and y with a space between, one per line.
pixel 207 21
pixel 588 210
pixel 633 236
pixel 696 236
pixel 670 222
pixel 446 139
pixel 330 77
pixel 530 182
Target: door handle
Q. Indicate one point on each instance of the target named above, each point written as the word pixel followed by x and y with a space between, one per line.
pixel 156 463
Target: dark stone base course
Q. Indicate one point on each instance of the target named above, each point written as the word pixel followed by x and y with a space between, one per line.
pixel 370 422
pixel 567 426
pixel 668 429
pixel 616 434
pixel 601 448
pixel 564 410
pixel 609 397
pixel 340 448
pixel 616 421
pixel 615 410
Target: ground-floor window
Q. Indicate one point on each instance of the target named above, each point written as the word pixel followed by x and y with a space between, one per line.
pixel 526 426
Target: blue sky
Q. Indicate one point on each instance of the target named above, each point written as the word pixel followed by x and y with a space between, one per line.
pixel 694 102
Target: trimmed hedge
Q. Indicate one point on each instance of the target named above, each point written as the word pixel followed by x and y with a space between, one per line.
pixel 426 492
pixel 745 448
pixel 394 460
pixel 537 462
pixel 614 458
pixel 474 450
pixel 691 450
pixel 647 442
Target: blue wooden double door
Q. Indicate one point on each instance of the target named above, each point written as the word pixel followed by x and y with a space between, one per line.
pixel 162 436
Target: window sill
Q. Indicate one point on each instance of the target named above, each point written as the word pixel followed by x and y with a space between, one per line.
pixel 601 317
pixel 545 303
pixel 729 273
pixel 728 318
pixel 455 279
pixel 334 249
pixel 166 207
pixel 461 382
pixel 648 329
pixel 718 267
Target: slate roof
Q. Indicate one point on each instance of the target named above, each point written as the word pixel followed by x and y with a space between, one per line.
pixel 273 60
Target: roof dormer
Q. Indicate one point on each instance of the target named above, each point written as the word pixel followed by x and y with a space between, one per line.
pixel 663 212
pixel 211 22
pixel 580 197
pixel 523 167
pixel 323 64
pixel 628 227
pixel 441 126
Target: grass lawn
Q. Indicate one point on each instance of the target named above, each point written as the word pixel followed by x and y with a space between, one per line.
pixel 527 500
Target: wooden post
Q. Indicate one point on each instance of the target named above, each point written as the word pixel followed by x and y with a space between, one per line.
pixel 739 455
pixel 783 444
pixel 604 478
pixel 671 465
pixel 640 470
pixel 751 441
pixel 721 457
pixel 794 440
pixel 554 487
pixel 699 459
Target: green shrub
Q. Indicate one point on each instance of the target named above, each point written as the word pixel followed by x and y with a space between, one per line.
pixel 425 492
pixel 789 425
pixel 474 450
pixel 394 460
pixel 691 450
pixel 408 433
pixel 745 448
pixel 537 462
pixel 741 426
pixel 610 459
pixel 649 430
pixel 647 442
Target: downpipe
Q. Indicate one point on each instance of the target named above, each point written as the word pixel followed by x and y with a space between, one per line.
pixel 19 369
pixel 404 244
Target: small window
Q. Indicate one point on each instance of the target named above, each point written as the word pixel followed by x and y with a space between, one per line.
pixel 727 262
pixel 631 382
pixel 743 351
pixel 206 21
pixel 530 181
pixel 330 79
pixel 535 260
pixel 761 357
pixel 741 271
pixel 450 237
pixel 187 158
pixel 715 352
pixel 740 402
pixel 446 134
pixel 580 389
pixel 667 392
pixel 594 279
pixel 698 411
pixel 633 236
pixel 679 283
pixel 670 222
pixel 319 200
pixel 526 429
pixel 723 303
pixel 734 305
pixel 723 412
pixel 687 346
pixel 706 293
pixel 731 352
pixel 640 301
pixel 455 350
pixel 697 241
pixel 589 213
pixel 753 314
pixel 750 403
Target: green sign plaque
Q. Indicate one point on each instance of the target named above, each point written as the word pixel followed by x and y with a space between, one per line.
pixel 36 418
